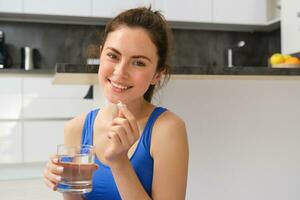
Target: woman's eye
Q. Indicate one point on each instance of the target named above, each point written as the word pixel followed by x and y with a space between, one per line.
pixel 112 56
pixel 139 63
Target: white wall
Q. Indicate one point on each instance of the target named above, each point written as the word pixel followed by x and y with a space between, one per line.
pixel 244 137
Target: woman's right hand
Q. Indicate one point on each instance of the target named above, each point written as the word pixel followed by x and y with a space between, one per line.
pixel 52 173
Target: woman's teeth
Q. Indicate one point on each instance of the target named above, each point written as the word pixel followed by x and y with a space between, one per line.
pixel 122 87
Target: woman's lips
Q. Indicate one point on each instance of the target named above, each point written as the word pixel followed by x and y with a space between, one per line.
pixel 118 87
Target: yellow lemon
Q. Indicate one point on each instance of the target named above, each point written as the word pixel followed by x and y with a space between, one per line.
pixel 277 58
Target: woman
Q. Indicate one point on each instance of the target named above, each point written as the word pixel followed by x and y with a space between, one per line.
pixel 141 149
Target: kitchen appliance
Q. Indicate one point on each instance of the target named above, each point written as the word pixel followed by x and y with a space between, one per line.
pixel 30 58
pixel 5 59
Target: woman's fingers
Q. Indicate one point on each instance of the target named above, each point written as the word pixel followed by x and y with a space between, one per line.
pixel 54 158
pixel 113 136
pixel 50 184
pixel 121 123
pixel 124 137
pixel 54 168
pixel 123 134
pixel 54 165
pixel 131 120
pixel 50 175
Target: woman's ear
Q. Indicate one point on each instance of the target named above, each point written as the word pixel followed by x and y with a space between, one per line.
pixel 157 76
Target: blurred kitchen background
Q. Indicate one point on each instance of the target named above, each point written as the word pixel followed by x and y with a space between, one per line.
pixel 69 43
pixel 242 115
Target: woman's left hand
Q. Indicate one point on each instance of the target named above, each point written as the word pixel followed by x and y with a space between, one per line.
pixel 123 133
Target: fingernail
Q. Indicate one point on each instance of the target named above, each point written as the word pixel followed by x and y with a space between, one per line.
pixel 58 178
pixel 120 105
pixel 60 169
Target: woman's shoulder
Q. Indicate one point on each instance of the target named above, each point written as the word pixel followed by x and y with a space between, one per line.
pixel 73 130
pixel 169 126
pixel 171 120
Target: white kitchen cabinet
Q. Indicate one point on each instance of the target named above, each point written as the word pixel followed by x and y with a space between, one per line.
pixel 290 26
pixel 11 6
pixel 41 139
pixel 10 98
pixel 10 142
pixel 104 8
pixel 58 7
pixel 185 11
pixel 42 99
pixel 214 14
pixel 251 12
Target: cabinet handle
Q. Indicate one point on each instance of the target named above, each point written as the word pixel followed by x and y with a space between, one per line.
pixel 298 14
pixel 90 93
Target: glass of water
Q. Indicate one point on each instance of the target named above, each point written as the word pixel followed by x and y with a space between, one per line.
pixel 78 164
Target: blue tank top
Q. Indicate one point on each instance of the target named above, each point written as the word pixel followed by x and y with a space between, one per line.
pixel 104 186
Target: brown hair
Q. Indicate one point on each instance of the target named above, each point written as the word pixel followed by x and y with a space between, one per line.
pixel 159 32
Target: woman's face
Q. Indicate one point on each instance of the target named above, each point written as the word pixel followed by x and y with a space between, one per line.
pixel 127 65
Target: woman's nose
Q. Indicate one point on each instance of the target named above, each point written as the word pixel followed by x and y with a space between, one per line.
pixel 121 69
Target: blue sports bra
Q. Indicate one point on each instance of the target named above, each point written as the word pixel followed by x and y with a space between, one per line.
pixel 104 186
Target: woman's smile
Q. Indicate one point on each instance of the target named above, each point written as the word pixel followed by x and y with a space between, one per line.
pixel 118 87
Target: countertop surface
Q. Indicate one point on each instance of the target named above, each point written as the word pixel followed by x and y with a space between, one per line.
pixel 18 71
pixel 194 70
pixel 182 70
pixel 87 74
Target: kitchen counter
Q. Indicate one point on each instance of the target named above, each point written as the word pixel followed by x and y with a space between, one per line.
pixel 87 74
pixel 238 70
pixel 199 70
pixel 18 71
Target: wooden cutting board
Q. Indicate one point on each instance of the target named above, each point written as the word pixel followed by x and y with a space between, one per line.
pixel 291 66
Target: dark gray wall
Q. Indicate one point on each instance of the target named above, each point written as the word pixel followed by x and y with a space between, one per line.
pixel 56 42
pixel 195 47
pixel 68 44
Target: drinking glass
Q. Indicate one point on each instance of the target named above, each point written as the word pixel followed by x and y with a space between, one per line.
pixel 78 166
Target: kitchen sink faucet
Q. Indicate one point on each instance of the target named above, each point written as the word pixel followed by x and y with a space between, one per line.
pixel 229 51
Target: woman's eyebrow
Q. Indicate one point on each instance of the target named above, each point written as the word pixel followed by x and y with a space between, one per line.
pixel 142 56
pixel 135 56
pixel 114 50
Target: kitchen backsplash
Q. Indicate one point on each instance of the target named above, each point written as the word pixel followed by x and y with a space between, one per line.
pixel 69 43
